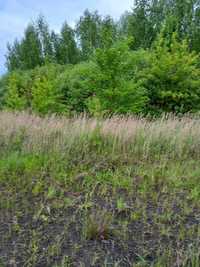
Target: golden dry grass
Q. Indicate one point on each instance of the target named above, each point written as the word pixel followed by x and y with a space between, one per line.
pixel 176 136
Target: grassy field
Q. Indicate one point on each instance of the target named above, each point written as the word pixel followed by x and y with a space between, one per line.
pixel 87 192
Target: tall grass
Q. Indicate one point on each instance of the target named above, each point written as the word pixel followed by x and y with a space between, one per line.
pixel 123 179
pixel 168 136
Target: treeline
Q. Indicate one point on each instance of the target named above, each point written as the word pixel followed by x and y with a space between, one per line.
pixel 40 45
pixel 147 62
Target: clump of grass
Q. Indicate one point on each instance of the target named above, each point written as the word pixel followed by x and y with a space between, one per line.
pixel 98 225
pixel 191 258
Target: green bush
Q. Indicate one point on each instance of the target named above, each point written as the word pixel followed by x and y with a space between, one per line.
pixel 106 84
pixel 18 90
pixel 3 89
pixel 78 83
pixel 172 78
pixel 36 90
pixel 46 97
pixel 118 89
pixel 116 80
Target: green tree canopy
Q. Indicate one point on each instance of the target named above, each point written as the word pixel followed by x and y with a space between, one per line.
pixel 172 78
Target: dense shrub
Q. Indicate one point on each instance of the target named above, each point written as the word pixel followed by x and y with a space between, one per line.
pixel 146 62
pixel 172 78
pixel 35 89
pixel 46 97
pixel 18 92
pixel 119 91
pixel 106 84
pixel 78 83
pixel 116 80
pixel 3 89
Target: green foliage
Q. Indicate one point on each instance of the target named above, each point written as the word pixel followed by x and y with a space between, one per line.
pixel 144 63
pixel 13 56
pixel 118 91
pixel 36 90
pixel 94 106
pixel 40 46
pixel 77 84
pixel 17 90
pixel 144 24
pixel 88 33
pixel 25 54
pixel 31 49
pixel 139 25
pixel 172 78
pixel 106 84
pixel 44 35
pixel 108 32
pixel 3 89
pixel 116 80
pixel 65 46
pixel 148 18
pixel 46 97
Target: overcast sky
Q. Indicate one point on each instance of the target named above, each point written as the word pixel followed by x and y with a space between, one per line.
pixel 15 14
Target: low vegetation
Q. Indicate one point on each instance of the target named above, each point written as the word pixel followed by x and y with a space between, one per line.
pixel 121 191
